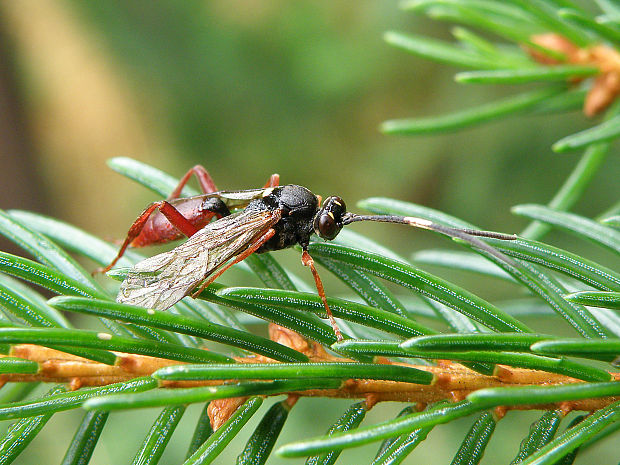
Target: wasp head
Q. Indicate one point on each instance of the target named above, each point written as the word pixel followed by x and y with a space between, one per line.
pixel 328 220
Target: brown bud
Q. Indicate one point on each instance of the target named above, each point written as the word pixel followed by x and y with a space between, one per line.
pixel 554 42
pixel 220 410
pixel 604 91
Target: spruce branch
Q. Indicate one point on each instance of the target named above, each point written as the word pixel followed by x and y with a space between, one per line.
pixel 450 381
pixel 155 359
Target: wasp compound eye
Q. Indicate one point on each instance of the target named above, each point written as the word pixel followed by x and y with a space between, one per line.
pixel 328 221
pixel 326 227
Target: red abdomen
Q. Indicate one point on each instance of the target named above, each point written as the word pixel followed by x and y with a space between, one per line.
pixel 158 230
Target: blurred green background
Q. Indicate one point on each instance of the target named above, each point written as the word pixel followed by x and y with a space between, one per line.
pixel 248 88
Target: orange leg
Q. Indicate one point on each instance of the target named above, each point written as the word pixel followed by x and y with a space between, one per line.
pixel 204 179
pixel 239 258
pixel 307 260
pixel 171 213
pixel 274 180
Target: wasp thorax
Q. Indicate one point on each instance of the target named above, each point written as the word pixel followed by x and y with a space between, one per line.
pixel 296 200
pixel 328 220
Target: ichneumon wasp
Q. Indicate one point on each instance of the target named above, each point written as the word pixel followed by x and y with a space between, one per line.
pixel 247 221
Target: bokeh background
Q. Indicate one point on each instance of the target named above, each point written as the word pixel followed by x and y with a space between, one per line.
pixel 248 88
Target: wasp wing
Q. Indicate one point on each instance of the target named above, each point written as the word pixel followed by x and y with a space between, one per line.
pixel 162 280
pixel 232 199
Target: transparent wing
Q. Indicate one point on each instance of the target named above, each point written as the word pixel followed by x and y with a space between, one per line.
pixel 162 280
pixel 232 199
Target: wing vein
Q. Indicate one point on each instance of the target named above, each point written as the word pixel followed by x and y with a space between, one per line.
pixel 161 281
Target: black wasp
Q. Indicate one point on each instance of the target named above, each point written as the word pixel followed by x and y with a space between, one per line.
pixel 271 218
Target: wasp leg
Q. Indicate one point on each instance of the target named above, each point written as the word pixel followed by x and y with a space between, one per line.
pixel 274 180
pixel 155 234
pixel 171 213
pixel 204 179
pixel 239 258
pixel 307 260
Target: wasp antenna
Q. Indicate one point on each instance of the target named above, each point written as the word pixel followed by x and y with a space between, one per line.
pixel 424 224
pixel 467 235
pixel 471 232
pixel 349 218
